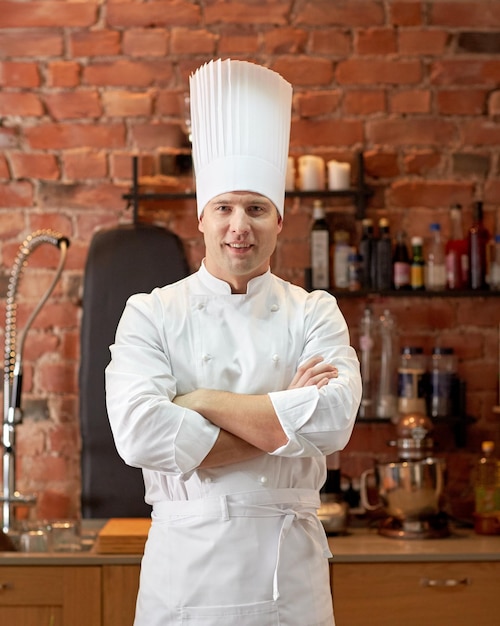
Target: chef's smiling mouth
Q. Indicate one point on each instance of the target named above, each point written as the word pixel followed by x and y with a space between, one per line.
pixel 239 245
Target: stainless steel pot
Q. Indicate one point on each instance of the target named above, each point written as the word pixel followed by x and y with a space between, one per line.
pixel 333 513
pixel 407 489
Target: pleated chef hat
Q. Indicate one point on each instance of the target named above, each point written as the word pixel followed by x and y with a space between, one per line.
pixel 240 122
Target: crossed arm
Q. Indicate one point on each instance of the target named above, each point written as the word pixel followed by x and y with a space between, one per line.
pixel 248 424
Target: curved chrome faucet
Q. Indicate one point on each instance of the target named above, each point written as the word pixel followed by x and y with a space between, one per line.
pixel 13 369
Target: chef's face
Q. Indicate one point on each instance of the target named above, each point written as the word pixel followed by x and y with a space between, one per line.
pixel 240 231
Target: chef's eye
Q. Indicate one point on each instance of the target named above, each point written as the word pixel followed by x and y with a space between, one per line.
pixel 255 209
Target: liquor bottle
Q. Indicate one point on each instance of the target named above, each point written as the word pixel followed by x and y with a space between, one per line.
pixel 384 256
pixel 342 249
pixel 354 271
pixel 320 248
pixel 494 279
pixel 417 264
pixel 401 262
pixel 486 481
pixel 478 241
pixel 435 265
pixel 457 253
pixel 367 251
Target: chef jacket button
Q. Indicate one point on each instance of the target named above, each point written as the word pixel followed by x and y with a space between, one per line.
pixel 262 480
pixel 275 307
pixel 206 357
pixel 200 306
pixel 276 358
pixel 208 479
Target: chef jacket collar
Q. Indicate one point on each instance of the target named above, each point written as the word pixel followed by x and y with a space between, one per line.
pixel 221 287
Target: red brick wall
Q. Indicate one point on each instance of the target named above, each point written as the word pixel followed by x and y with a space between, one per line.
pixel 85 85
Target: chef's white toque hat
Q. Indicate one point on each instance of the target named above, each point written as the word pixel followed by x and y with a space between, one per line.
pixel 240 121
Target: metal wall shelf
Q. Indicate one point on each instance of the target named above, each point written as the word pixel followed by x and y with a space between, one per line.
pixel 420 293
pixel 360 193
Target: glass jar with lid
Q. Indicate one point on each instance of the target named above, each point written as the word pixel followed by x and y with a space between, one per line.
pixel 442 377
pixel 412 379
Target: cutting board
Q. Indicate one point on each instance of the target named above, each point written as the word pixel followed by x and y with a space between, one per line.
pixel 123 536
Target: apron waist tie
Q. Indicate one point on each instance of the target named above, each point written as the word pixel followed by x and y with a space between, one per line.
pixel 289 517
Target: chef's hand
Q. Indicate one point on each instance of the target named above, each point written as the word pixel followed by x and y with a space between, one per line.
pixel 316 371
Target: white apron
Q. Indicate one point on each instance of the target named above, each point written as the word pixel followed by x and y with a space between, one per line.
pixel 239 545
pixel 237 560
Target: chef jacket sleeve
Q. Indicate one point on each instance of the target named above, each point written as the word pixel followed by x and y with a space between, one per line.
pixel 150 431
pixel 320 421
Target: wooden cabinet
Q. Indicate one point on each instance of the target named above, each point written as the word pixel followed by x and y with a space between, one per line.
pixel 120 584
pixel 60 595
pixel 413 594
pixel 50 595
pixel 452 593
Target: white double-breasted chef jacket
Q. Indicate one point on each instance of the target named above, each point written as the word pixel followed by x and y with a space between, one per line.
pixel 236 545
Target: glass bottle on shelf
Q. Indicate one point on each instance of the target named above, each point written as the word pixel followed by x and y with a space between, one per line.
pixel 486 480
pixel 342 249
pixel 367 345
pixel 417 264
pixel 456 251
pixel 384 256
pixel 367 251
pixel 442 376
pixel 435 264
pixel 354 271
pixel 401 262
pixel 320 248
pixel 478 241
pixel 387 396
pixel 494 277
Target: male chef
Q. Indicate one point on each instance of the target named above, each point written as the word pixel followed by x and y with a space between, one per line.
pixel 230 387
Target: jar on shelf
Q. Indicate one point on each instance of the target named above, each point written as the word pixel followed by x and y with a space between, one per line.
pixel 442 377
pixel 412 373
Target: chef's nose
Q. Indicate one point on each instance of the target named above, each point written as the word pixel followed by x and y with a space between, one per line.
pixel 239 220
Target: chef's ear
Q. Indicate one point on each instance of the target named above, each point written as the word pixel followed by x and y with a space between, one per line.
pixel 280 221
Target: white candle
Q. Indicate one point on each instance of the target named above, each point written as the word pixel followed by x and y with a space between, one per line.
pixel 311 172
pixel 339 175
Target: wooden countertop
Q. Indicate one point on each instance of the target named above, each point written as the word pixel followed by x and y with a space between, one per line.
pixel 366 545
pixel 357 546
pixel 90 554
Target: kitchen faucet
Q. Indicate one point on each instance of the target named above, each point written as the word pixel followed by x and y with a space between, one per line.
pixel 13 368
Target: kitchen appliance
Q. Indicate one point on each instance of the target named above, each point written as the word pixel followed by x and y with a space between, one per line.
pixel 409 489
pixel 414 437
pixel 410 492
pixel 334 509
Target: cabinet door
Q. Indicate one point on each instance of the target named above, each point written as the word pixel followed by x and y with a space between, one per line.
pixel 120 584
pixel 392 594
pixel 50 595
